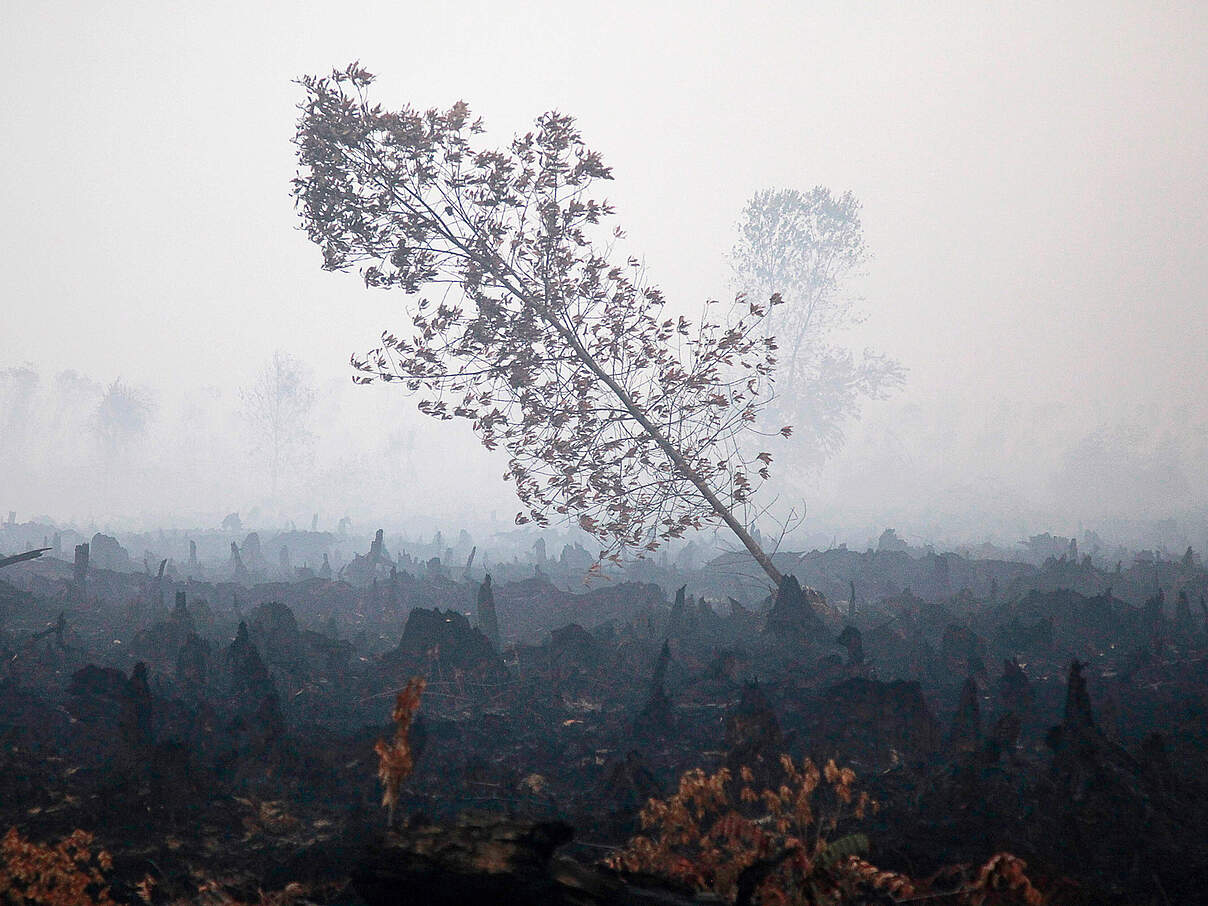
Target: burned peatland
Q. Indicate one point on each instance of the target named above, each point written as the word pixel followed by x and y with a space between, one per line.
pixel 210 716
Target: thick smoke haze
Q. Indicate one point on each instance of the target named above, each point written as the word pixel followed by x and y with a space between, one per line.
pixel 1034 199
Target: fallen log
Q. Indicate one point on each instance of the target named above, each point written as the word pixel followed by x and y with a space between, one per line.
pixel 20 558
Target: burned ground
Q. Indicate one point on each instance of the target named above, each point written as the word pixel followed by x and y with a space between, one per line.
pixel 206 725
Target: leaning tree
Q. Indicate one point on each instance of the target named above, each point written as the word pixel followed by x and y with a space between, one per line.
pixel 614 412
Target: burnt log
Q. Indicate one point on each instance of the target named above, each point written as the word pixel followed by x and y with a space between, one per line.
pixel 491 859
pixel 21 558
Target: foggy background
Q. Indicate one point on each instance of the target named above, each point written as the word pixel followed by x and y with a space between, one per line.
pixel 1034 198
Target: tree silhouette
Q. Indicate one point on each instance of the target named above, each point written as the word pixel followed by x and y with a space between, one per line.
pixel 613 412
pixel 803 245
pixel 276 407
pixel 120 418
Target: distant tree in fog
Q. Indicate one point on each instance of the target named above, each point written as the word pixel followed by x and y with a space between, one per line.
pixel 76 397
pixel 120 418
pixel 803 245
pixel 18 389
pixel 613 412
pixel 277 407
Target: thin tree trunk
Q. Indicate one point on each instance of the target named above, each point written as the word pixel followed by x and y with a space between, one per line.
pixel 502 272
pixel 667 447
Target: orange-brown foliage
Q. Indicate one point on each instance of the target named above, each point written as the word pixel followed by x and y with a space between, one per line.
pixel 395 758
pixel 702 837
pixel 712 829
pixel 1002 880
pixel 214 893
pixel 65 874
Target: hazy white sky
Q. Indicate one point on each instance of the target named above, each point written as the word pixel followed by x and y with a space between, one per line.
pixel 1033 176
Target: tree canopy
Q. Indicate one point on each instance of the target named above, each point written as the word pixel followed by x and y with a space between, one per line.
pixel 276 408
pixel 804 245
pixel 613 413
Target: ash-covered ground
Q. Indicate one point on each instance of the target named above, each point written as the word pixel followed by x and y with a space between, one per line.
pixel 209 709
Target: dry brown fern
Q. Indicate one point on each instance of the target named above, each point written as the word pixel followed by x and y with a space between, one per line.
pixel 395 758
pixel 67 873
pixel 1002 881
pixel 866 875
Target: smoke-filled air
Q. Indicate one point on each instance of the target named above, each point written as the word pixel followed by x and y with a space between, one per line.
pixel 535 452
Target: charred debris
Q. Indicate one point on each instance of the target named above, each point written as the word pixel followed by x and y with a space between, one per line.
pixel 208 708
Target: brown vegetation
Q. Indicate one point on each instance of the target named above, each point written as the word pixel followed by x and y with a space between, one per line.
pixel 395 758
pixel 774 845
pixel 67 873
